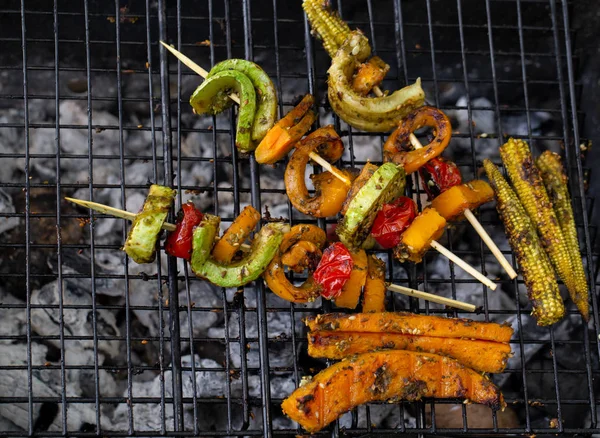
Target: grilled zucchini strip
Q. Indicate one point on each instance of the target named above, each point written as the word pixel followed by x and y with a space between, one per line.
pixel 141 240
pixel 535 265
pixel 555 181
pixel 530 189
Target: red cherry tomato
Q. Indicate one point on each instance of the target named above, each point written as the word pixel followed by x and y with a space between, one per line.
pixel 334 270
pixel 179 242
pixel 438 175
pixel 392 220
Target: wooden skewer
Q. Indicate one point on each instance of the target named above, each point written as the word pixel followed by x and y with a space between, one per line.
pixel 431 297
pixel 200 71
pixel 478 227
pixel 123 214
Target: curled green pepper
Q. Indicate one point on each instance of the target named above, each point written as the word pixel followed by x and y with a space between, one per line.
pixel 208 97
pixel 266 110
pixel 249 268
pixel 375 114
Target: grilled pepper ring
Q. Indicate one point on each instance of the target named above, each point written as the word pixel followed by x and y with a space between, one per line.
pixel 331 192
pixel 250 267
pixel 398 149
pixel 375 114
pixel 275 274
pixel 266 110
pixel 281 138
pixel 208 98
pixel 302 256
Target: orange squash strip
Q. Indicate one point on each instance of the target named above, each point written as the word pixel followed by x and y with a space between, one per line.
pixel 280 138
pixel 411 324
pixel 453 202
pixel 225 248
pixel 350 293
pixel 384 375
pixel 484 356
pixel 374 293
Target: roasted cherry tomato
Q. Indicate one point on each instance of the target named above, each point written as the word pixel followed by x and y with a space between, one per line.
pixel 179 242
pixel 438 175
pixel 392 220
pixel 334 270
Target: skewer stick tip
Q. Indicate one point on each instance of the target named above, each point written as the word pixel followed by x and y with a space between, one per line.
pixel 431 297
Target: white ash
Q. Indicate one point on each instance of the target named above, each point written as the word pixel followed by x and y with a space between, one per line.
pixel 77 322
pixel 6 207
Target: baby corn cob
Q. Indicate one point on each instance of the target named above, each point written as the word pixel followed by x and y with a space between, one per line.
pixel 529 186
pixel 534 263
pixel 555 181
pixel 328 26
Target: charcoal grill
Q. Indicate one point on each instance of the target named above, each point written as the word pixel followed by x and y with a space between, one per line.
pixel 517 54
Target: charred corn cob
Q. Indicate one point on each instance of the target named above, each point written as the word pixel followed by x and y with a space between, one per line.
pixel 555 181
pixel 530 189
pixel 326 24
pixel 535 265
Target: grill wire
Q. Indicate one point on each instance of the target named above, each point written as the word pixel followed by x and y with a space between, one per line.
pixel 118 41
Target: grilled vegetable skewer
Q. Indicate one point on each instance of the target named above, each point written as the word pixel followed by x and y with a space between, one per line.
pixel 534 263
pixel 555 181
pixel 428 116
pixel 200 71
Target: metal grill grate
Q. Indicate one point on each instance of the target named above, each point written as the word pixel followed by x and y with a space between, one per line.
pixel 104 58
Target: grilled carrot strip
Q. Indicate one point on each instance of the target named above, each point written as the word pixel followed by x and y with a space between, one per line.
pixel 225 248
pixel 555 181
pixel 411 324
pixel 530 189
pixel 382 376
pixel 534 263
pixel 374 293
pixel 484 356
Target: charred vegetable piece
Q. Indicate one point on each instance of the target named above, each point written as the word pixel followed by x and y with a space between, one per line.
pixel 275 274
pixel 483 356
pixel 385 184
pixel 438 175
pixel 250 267
pixel 141 239
pixel 555 181
pixel 374 292
pixel 365 174
pixel 453 202
pixel 384 375
pixel 369 75
pixel 326 24
pixel 226 248
pixel 530 189
pixel 334 270
pixel 398 148
pixel 203 240
pixel 301 256
pixel 416 240
pixel 392 220
pixel 410 324
pixel 207 96
pixel 179 242
pixel 534 263
pixel 281 138
pixel 330 191
pixel 375 114
pixel 266 109
pixel 350 293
